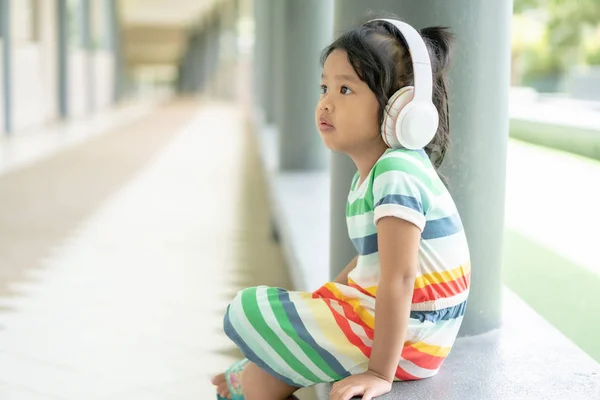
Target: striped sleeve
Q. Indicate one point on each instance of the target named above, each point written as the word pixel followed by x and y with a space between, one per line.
pixel 399 193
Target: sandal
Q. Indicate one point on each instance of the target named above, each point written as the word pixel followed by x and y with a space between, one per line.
pixel 232 376
pixel 234 383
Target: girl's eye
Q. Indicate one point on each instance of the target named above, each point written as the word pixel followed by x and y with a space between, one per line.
pixel 323 89
pixel 346 90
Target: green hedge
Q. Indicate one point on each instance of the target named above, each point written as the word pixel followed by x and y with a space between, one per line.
pixel 585 142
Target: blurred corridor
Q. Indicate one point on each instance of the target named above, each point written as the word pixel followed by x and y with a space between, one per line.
pixel 129 217
pixel 124 251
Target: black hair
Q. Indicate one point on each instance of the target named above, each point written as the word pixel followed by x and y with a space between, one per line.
pixel 379 54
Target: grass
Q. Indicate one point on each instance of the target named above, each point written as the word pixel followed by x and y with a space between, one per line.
pixel 563 292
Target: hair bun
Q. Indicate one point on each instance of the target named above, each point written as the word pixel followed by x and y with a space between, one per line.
pixel 439 40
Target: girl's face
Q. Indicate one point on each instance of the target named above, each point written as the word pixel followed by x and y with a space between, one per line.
pixel 347 114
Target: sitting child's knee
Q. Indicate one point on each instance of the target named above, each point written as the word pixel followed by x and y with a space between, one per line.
pixel 237 312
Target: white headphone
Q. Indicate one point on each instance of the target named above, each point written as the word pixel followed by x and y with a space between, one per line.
pixel 411 119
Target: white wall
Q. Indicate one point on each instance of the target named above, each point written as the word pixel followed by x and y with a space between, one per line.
pixel 28 95
pixel 35 75
pixel 35 98
pixel 104 79
pixel 78 83
pixel 49 34
pixel 100 65
pixel 1 88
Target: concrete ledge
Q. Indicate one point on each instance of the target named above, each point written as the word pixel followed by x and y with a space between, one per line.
pixel 573 139
pixel 556 121
pixel 303 225
pixel 300 211
pixel 526 359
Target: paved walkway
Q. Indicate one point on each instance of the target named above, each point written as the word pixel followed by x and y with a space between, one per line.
pixel 128 248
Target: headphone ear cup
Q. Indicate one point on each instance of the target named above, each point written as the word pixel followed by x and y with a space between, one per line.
pixel 417 124
pixel 389 127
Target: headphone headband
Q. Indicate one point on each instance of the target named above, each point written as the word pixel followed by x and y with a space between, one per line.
pixel 419 56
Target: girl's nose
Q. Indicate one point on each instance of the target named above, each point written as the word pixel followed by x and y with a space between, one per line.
pixel 325 105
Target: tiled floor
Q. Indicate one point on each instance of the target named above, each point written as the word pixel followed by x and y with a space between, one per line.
pixel 128 303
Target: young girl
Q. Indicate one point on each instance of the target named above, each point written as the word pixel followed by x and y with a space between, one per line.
pixel 412 269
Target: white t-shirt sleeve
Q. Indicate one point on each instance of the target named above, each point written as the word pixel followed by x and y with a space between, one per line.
pixel 399 194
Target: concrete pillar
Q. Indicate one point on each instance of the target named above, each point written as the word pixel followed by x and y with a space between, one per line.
pixel 195 64
pixel 277 43
pixel 191 66
pixel 186 75
pixel 219 66
pixel 475 164
pixel 207 54
pixel 264 58
pixel 178 86
pixel 185 72
pixel 6 38
pixel 87 45
pixel 215 52
pixel 112 42
pixel 260 63
pixel 198 71
pixel 115 40
pixel 48 34
pixel 227 82
pixel 63 58
pixel 195 68
pixel 308 28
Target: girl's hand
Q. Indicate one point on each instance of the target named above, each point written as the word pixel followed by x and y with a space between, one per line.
pixel 369 385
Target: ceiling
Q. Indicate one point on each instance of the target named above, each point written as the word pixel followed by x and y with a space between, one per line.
pixel 155 31
pixel 163 12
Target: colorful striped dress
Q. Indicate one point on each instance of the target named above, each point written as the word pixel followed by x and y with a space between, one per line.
pixel 308 338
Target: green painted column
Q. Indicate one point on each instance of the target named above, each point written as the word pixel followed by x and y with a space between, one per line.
pixel 307 28
pixel 216 59
pixel 198 68
pixel 277 44
pixel 228 45
pixel 183 74
pixel 192 72
pixel 268 72
pixel 63 58
pixel 476 163
pixel 87 45
pixel 262 66
pixel 114 45
pixel 187 69
pixel 208 54
pixel 178 82
pixel 5 36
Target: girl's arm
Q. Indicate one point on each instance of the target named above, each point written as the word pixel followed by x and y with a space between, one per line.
pixel 343 276
pixel 398 245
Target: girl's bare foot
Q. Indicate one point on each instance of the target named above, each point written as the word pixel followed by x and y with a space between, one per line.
pixel 221 384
